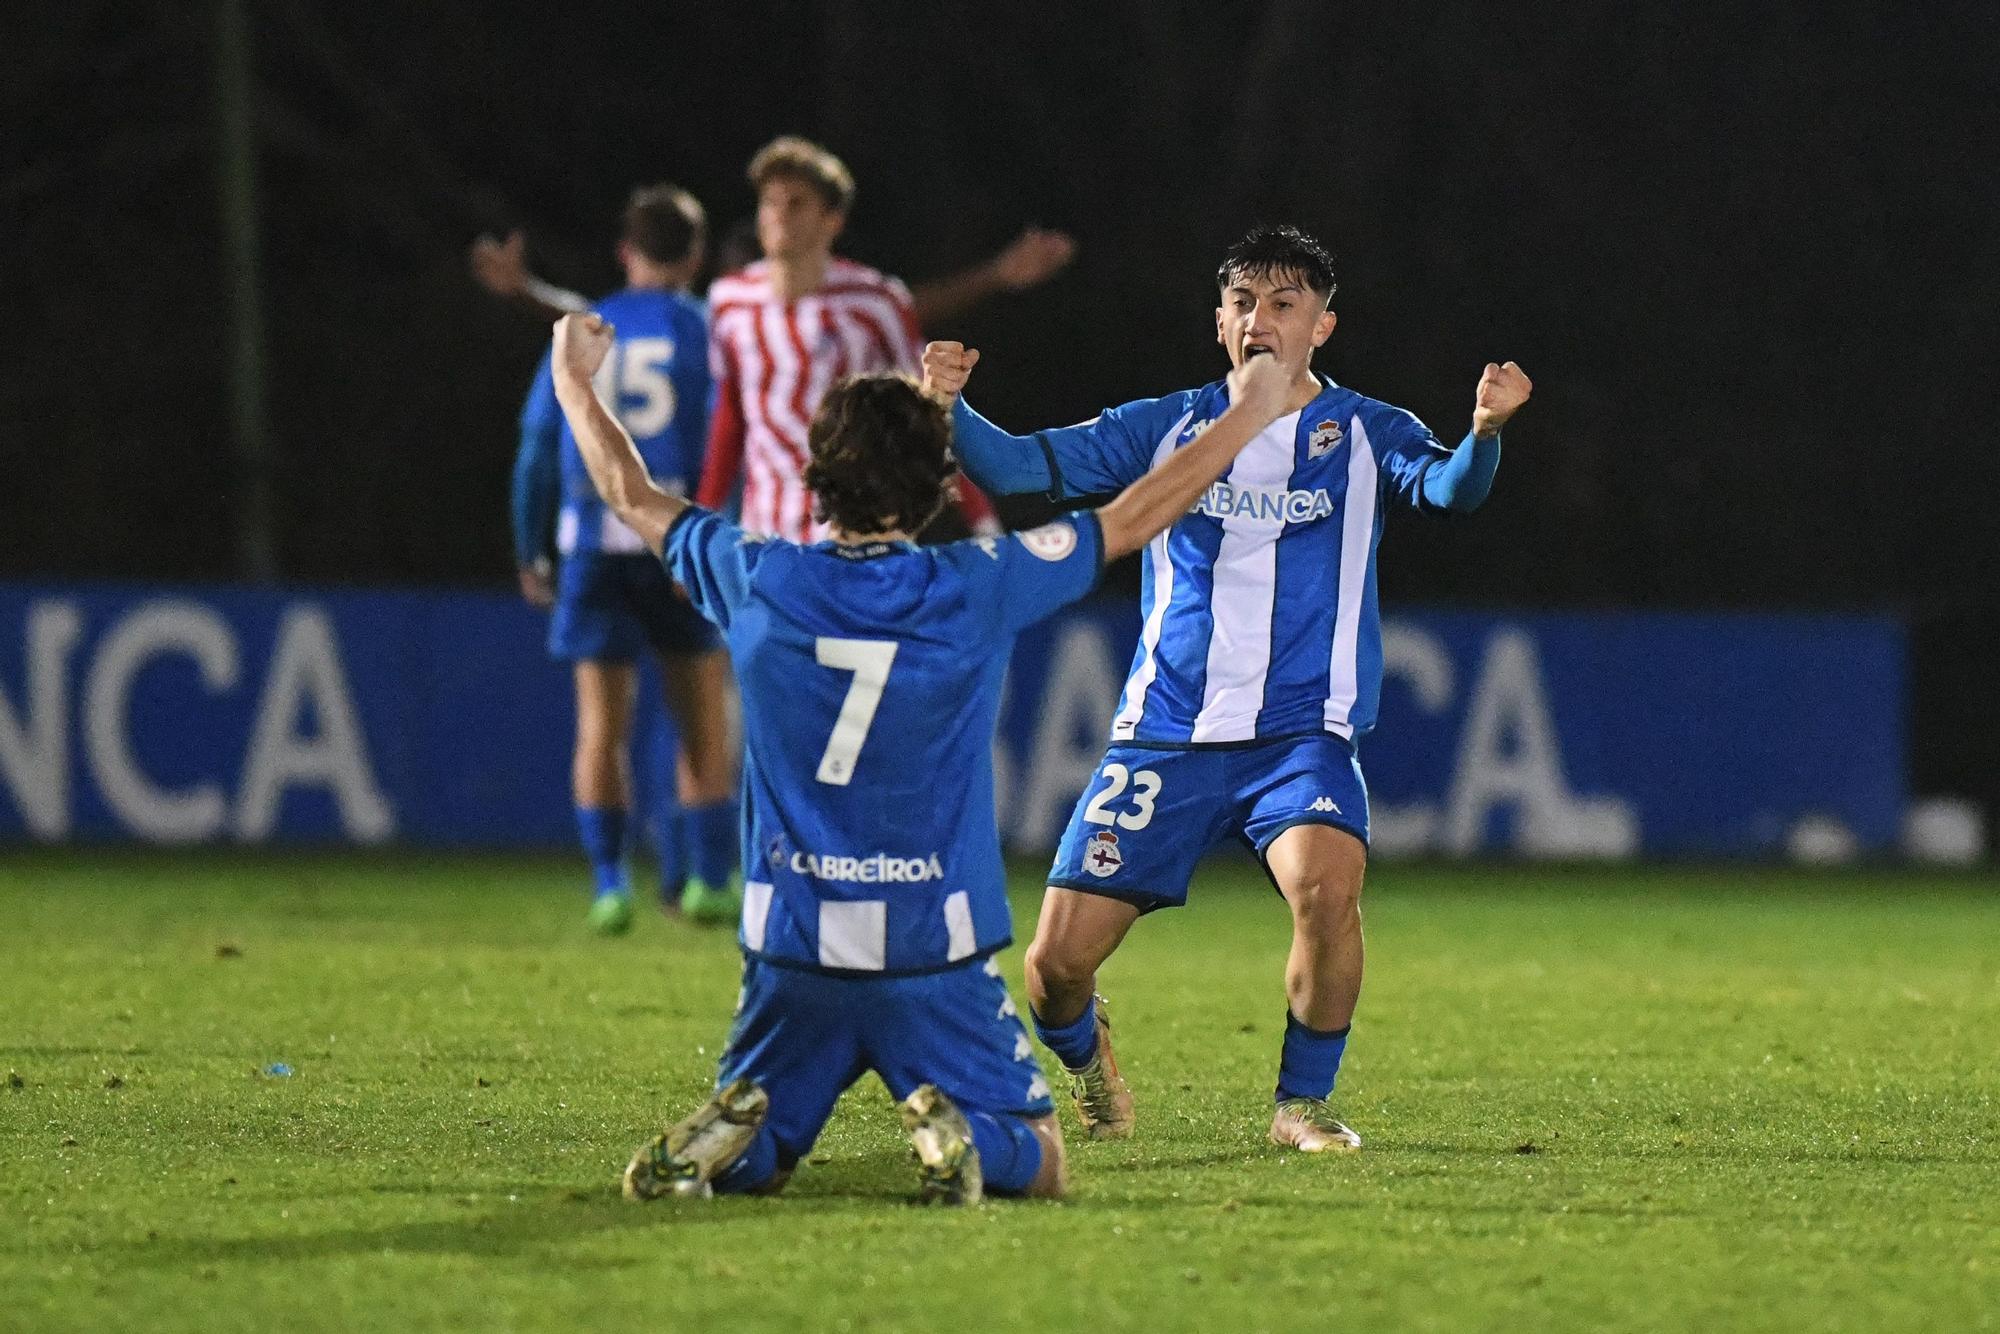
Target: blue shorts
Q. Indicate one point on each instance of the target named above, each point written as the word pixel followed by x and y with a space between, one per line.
pixel 610 607
pixel 1150 814
pixel 806 1036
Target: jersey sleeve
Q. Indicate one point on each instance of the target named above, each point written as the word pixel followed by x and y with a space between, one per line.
pixel 722 456
pixel 1044 569
pixel 906 340
pixel 1405 451
pixel 537 489
pixel 1114 449
pixel 1099 457
pixel 712 559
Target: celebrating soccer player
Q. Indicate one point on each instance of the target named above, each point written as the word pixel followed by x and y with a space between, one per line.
pixel 1258 667
pixel 871 672
pixel 611 599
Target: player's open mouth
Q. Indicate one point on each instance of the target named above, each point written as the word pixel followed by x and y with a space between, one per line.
pixel 1256 350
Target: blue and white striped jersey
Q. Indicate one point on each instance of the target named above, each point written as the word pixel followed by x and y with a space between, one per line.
pixel 871 680
pixel 656 381
pixel 1258 608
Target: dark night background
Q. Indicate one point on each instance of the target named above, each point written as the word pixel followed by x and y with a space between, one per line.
pixel 1748 254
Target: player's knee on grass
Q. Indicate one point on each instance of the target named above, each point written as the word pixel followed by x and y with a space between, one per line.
pixel 1052 1178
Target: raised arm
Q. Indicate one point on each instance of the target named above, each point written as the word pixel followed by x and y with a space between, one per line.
pixel 1258 390
pixel 1462 482
pixel 1029 260
pixel 616 470
pixel 501 267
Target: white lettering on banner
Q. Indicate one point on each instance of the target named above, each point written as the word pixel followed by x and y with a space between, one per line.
pixel 1509 756
pixel 34 744
pixel 1081 692
pixel 305 668
pixel 153 630
pixel 1509 704
pixel 1417 657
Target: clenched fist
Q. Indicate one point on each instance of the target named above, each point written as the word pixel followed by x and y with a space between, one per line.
pixel 947 366
pixel 581 344
pixel 1260 386
pixel 1502 390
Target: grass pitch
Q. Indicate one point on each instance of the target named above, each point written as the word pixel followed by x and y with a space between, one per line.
pixel 1592 1100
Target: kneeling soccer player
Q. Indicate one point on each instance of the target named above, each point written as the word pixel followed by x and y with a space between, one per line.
pixel 871 672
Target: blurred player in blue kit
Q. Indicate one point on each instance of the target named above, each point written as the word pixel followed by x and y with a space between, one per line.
pixel 611 600
pixel 871 672
pixel 1258 666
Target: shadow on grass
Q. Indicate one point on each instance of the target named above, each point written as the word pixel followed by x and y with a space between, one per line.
pixel 536 1219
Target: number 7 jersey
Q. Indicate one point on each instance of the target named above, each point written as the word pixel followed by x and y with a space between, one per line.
pixel 871 677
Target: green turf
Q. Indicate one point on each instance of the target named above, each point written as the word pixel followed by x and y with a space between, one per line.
pixel 1592 1101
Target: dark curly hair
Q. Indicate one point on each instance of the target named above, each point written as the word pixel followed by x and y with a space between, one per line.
pixel 1266 252
pixel 881 455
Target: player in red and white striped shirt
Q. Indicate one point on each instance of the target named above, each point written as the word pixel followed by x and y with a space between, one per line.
pixel 783 330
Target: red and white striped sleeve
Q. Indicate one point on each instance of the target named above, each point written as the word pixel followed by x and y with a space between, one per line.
pixel 908 335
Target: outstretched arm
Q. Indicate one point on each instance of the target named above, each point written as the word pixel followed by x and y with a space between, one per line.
pixel 1462 482
pixel 501 267
pixel 1258 390
pixel 616 470
pixel 1029 260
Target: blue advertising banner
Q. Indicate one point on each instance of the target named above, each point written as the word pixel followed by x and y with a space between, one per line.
pixel 177 716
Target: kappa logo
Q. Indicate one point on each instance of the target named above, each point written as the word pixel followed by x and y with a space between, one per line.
pixel 1052 541
pixel 1325 438
pixel 1325 804
pixel 1101 856
pixel 1023 1049
pixel 1038 1088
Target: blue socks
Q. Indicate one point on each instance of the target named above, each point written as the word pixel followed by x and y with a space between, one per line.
pixel 672 848
pixel 1009 1156
pixel 711 842
pixel 754 1169
pixel 602 829
pixel 1074 1043
pixel 1311 1060
pixel 1009 1153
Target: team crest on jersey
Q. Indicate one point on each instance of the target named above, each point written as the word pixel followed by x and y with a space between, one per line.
pixel 1052 541
pixel 1100 854
pixel 1325 438
pixel 777 851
